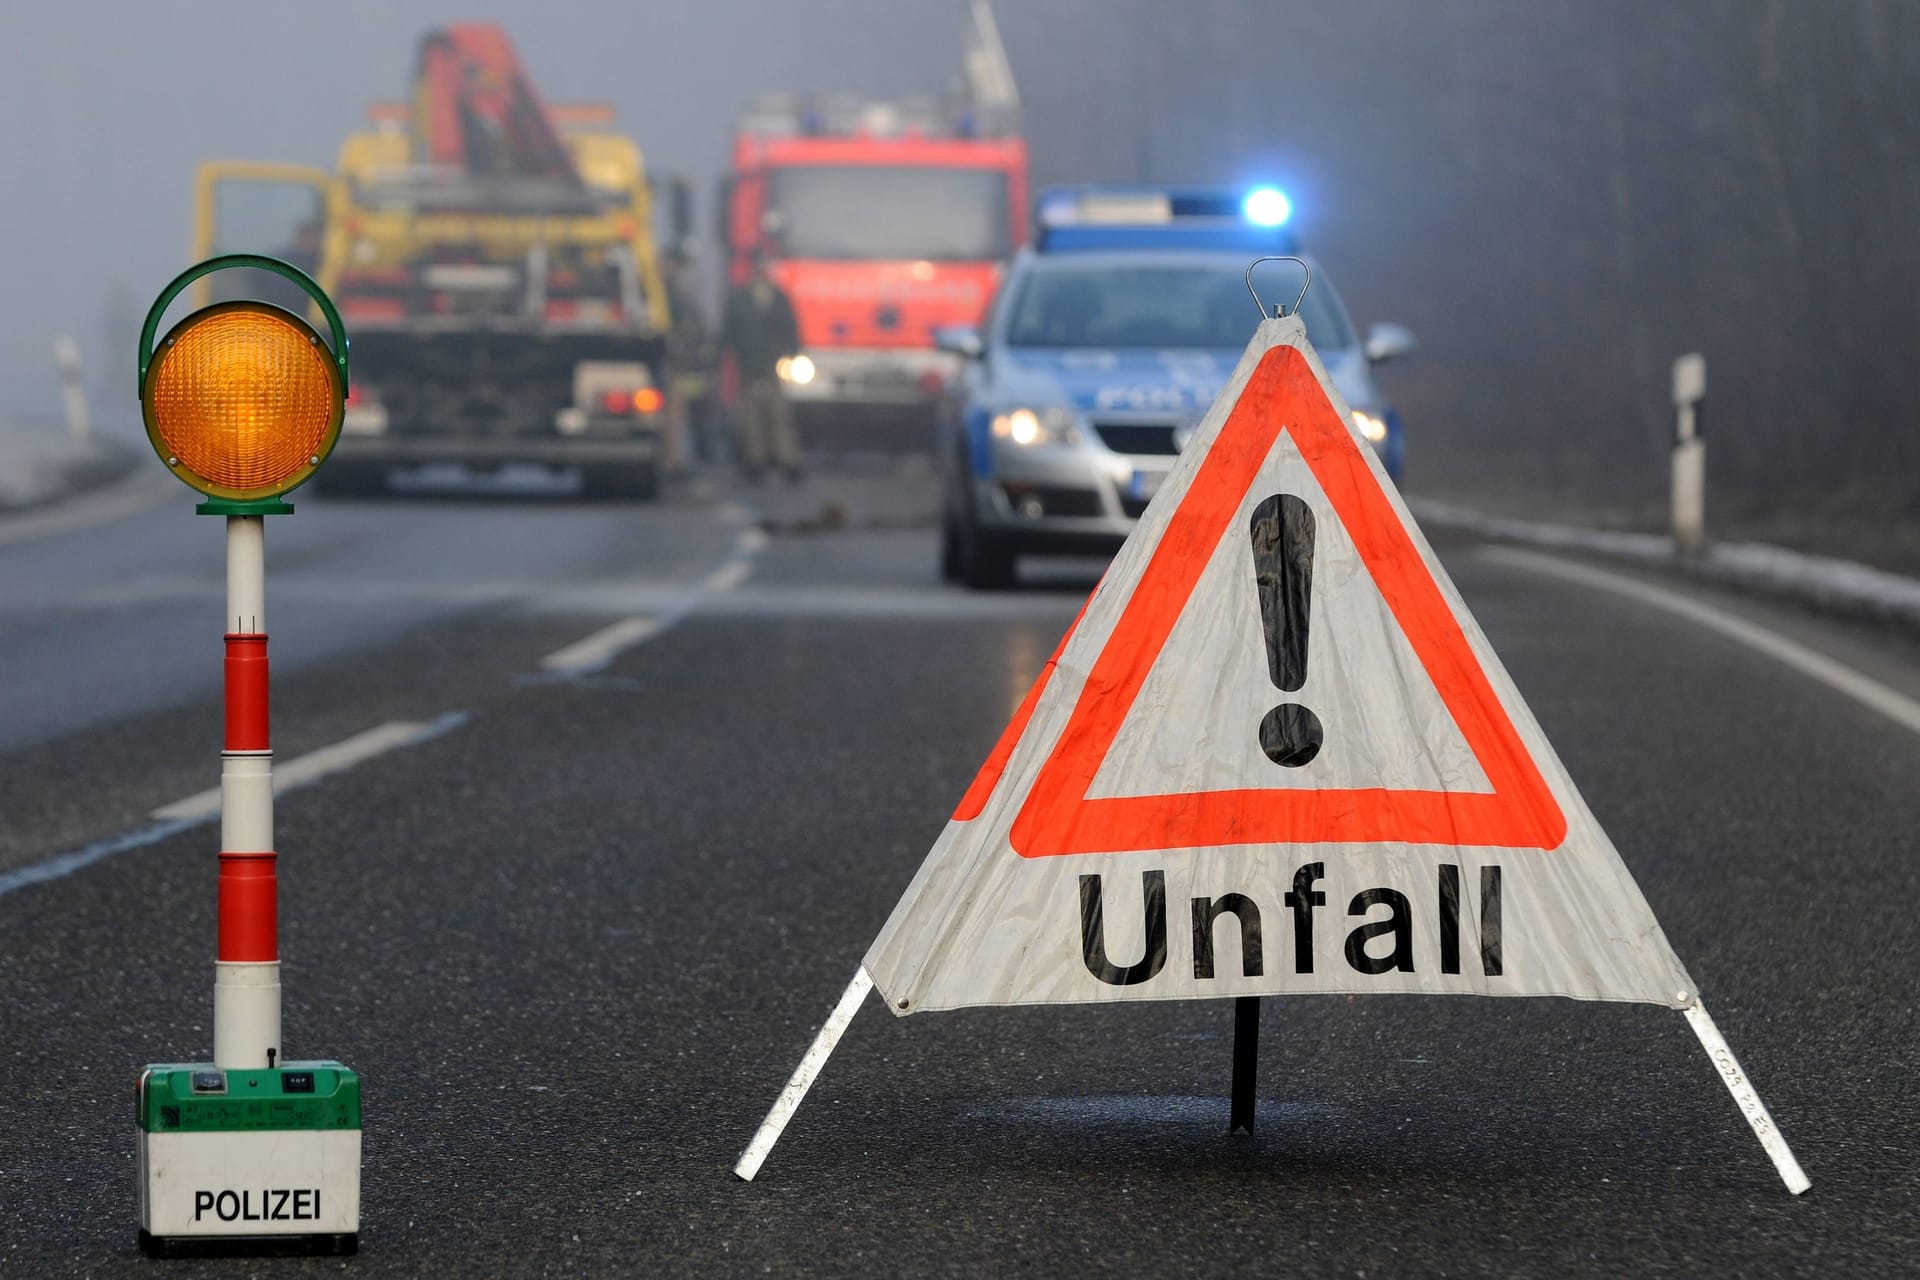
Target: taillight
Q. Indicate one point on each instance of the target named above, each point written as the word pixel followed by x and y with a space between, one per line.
pixel 616 401
pixel 648 400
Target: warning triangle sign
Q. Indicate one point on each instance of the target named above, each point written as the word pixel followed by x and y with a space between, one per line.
pixel 1274 754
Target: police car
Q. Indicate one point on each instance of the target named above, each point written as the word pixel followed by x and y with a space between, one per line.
pixel 1106 344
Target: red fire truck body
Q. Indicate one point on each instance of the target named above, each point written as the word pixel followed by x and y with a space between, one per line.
pixel 880 235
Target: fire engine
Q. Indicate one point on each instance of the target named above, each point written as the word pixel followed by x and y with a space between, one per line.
pixel 883 221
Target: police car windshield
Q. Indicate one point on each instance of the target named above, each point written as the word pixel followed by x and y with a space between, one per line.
pixel 880 212
pixel 1113 305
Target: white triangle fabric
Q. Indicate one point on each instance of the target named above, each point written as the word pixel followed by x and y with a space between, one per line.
pixel 1181 740
pixel 1420 850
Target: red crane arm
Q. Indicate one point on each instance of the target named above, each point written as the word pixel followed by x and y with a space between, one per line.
pixel 475 108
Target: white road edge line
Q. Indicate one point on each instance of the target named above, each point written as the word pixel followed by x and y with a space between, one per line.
pixel 1865 690
pixel 204 807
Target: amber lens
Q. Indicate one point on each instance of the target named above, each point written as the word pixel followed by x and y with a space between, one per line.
pixel 245 399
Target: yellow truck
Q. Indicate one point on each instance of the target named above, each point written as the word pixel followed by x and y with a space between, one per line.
pixel 495 262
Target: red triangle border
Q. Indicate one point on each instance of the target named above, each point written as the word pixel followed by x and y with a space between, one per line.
pixel 1057 818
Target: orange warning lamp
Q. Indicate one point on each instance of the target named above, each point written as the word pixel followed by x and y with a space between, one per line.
pixel 243 400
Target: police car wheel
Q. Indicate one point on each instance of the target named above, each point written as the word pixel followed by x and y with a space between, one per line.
pixel 950 555
pixel 986 562
pixel 989 569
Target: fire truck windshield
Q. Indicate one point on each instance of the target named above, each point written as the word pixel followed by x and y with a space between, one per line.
pixel 890 213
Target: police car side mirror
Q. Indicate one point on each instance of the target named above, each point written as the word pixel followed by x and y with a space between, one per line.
pixel 1387 341
pixel 959 341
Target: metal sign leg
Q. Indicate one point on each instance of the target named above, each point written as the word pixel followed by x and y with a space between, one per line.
pixel 802 1079
pixel 1246 1060
pixel 1749 1101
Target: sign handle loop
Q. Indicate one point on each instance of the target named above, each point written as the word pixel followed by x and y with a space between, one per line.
pixel 1280 311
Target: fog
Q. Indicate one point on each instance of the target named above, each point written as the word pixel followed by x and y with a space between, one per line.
pixel 1558 197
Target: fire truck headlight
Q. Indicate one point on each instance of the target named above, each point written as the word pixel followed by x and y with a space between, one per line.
pixel 795 369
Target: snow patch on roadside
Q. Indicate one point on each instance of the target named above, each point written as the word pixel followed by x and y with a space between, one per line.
pixel 1844 586
pixel 40 462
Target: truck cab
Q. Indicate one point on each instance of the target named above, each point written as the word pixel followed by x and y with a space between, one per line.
pixel 880 235
pixel 883 222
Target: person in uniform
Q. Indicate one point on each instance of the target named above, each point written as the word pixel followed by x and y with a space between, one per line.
pixel 760 331
pixel 687 361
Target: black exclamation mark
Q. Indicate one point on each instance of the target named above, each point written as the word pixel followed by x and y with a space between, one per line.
pixel 1282 533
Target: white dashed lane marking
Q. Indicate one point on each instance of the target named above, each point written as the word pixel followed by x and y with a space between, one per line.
pixel 595 652
pixel 315 765
pixel 204 807
pixel 602 647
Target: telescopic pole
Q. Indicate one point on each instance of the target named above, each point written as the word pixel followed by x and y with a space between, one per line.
pixel 246 991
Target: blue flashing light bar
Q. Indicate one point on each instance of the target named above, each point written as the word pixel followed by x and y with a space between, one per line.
pixel 1242 239
pixel 1267 207
pixel 1093 218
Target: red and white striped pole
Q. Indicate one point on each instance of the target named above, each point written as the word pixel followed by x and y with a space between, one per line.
pixel 243 403
pixel 246 990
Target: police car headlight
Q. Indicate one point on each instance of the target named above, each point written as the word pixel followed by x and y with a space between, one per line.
pixel 1034 426
pixel 1374 428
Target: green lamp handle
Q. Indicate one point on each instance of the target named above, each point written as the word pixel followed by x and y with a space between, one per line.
pixel 259 262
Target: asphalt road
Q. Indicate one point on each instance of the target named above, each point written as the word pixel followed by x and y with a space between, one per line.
pixel 575 936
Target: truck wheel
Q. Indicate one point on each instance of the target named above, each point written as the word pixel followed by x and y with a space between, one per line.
pixel 637 481
pixel 350 480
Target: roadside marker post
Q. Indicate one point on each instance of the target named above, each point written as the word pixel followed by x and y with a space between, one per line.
pixel 73 388
pixel 1689 494
pixel 1274 755
pixel 248 1153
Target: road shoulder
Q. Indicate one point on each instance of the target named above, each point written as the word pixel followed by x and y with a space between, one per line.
pixel 1844 588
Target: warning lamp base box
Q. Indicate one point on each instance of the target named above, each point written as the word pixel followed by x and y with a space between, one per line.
pixel 253 1161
